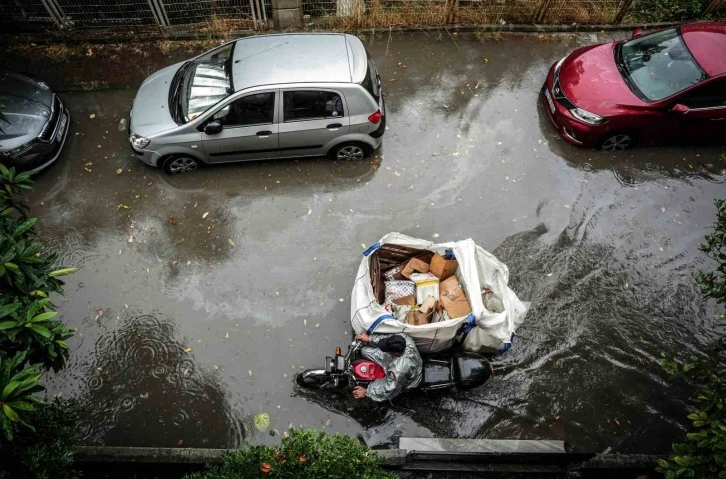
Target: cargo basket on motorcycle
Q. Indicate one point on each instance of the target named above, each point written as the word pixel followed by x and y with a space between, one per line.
pixel 478 274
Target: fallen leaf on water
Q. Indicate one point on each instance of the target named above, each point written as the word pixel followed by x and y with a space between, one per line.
pixel 567 206
pixel 99 147
pixel 92 116
pixel 250 372
pixel 557 417
pixel 230 241
pixel 186 372
pixel 187 350
pixel 435 235
pixel 262 421
pixel 88 170
pixel 205 215
pixel 549 274
pixel 317 325
pixel 99 369
pixel 226 335
pixel 180 442
pixel 341 300
pixel 616 421
pixel 327 423
pixel 99 312
pixel 305 322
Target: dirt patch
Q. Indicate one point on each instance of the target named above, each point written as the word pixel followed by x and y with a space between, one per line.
pixel 89 66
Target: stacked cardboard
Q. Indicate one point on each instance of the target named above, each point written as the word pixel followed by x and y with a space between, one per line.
pixel 447 300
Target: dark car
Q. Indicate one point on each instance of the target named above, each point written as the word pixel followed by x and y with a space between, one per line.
pixel 33 123
pixel 667 86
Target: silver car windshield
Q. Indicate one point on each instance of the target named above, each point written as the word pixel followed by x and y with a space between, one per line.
pixel 208 81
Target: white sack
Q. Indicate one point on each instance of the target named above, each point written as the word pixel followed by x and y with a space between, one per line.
pixel 490 332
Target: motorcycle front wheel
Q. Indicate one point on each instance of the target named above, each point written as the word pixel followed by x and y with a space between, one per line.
pixel 315 379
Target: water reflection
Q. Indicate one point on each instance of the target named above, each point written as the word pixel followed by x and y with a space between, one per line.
pixel 145 388
pixel 641 164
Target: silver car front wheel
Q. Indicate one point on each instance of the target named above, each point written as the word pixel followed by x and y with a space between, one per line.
pixel 180 164
pixel 617 142
pixel 350 153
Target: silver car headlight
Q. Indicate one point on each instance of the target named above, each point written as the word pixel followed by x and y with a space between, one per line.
pixel 139 141
pixel 587 117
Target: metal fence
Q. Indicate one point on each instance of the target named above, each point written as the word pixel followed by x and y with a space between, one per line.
pixel 226 15
pixel 350 14
pixel 213 15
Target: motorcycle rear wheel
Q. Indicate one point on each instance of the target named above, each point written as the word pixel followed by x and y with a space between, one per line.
pixel 315 379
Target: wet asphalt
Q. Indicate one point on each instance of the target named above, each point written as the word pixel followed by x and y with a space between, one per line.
pixel 200 296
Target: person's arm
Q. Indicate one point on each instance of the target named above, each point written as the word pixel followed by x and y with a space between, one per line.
pixel 371 340
pixel 385 388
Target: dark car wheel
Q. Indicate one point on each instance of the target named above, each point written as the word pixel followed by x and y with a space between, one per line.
pixel 618 142
pixel 175 165
pixel 351 152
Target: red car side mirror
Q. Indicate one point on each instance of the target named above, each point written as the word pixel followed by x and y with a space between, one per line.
pixel 637 32
pixel 680 109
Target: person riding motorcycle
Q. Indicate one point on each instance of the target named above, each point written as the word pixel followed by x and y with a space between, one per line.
pixel 399 358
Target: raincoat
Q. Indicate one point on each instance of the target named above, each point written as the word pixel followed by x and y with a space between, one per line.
pixel 401 373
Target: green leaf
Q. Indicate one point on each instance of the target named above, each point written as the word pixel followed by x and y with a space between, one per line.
pixel 62 272
pixel 7 211
pixel 4 170
pixel 24 226
pixel 62 344
pixel 8 309
pixel 40 293
pixel 21 406
pixel 698 423
pixel 693 416
pixel 12 415
pixel 43 317
pixel 11 266
pixel 9 388
pixel 7 325
pixel 262 421
pixel 42 330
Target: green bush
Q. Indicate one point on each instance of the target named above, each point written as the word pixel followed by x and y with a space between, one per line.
pixel 703 455
pixel 47 451
pixel 655 11
pixel 302 455
pixel 27 277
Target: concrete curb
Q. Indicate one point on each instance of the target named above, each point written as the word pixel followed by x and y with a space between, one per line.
pixel 496 28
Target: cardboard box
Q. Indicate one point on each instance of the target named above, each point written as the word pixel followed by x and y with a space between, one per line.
pixel 443 268
pixel 414 265
pixel 424 314
pixel 453 298
pixel 406 301
pixel 393 274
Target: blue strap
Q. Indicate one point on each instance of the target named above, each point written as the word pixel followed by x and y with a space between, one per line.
pixel 471 323
pixel 372 248
pixel 379 321
pixel 506 346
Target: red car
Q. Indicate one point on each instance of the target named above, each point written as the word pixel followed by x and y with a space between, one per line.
pixel 669 85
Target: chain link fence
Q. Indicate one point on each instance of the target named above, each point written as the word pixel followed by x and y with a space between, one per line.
pixel 230 15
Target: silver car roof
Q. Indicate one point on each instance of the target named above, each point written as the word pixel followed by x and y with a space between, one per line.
pixel 298 58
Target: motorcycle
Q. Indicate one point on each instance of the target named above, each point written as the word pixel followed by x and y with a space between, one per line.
pixel 459 369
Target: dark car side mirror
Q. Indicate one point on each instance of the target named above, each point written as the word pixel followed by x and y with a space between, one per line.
pixel 213 127
pixel 679 108
pixel 637 32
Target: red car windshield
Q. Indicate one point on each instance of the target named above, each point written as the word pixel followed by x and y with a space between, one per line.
pixel 659 65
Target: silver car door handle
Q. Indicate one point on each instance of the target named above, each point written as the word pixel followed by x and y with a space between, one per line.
pixel 718 119
pixel 334 126
pixel 264 134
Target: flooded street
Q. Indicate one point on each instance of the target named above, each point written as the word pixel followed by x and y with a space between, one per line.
pixel 200 296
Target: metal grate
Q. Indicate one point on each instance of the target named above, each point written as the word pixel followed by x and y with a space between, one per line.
pixel 106 13
pixel 24 15
pixel 582 11
pixel 218 14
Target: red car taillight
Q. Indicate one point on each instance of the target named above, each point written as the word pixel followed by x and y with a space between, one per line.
pixel 375 118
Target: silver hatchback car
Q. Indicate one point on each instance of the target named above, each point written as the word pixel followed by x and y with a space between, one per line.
pixel 260 98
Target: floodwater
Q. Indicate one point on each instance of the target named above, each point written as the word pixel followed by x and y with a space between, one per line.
pixel 199 297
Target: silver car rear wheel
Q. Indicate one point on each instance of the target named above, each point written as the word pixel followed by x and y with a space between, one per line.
pixel 350 153
pixel 619 142
pixel 180 164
